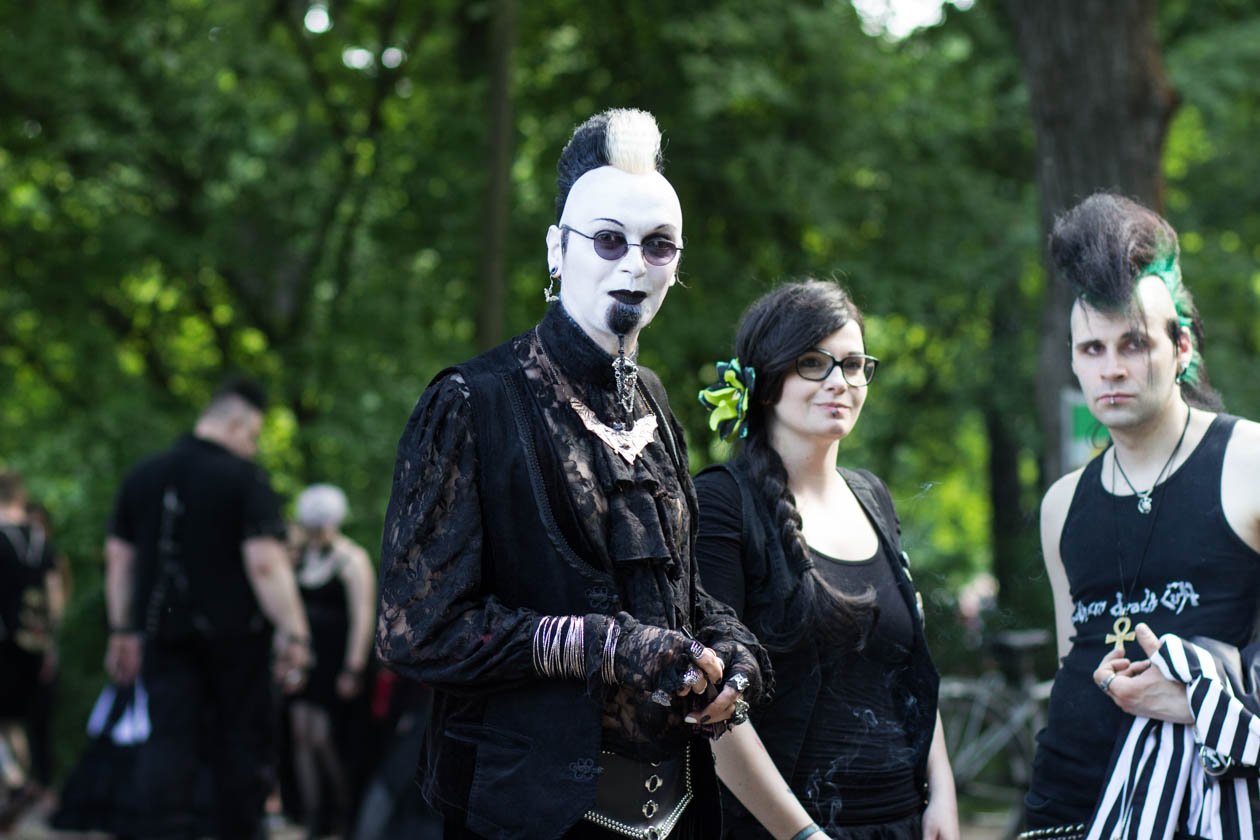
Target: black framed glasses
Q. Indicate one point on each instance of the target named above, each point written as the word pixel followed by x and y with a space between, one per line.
pixel 612 245
pixel 857 369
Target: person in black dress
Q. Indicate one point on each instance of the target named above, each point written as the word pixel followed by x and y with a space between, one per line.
pixel 338 587
pixel 809 556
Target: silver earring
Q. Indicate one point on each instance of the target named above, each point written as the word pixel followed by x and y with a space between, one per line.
pixel 549 294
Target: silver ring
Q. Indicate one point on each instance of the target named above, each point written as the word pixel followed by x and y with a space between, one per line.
pixel 740 715
pixel 695 649
pixel 1105 685
pixel 690 677
pixel 739 680
pixel 662 698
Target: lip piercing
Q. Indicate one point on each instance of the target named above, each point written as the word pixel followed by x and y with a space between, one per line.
pixel 835 412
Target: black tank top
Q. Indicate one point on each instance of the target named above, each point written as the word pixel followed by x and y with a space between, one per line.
pixel 1198 579
pixel 856 765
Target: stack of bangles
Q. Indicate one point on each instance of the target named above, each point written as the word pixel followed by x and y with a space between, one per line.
pixel 559 646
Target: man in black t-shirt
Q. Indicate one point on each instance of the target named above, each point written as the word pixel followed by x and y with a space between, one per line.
pixel 197 583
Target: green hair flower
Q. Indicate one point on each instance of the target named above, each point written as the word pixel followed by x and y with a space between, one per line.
pixel 727 399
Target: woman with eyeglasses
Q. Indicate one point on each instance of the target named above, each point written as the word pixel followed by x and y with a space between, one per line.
pixel 809 556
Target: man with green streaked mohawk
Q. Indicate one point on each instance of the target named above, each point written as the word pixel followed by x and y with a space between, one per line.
pixel 1158 536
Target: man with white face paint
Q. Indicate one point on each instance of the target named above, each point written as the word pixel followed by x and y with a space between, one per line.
pixel 1159 536
pixel 537 563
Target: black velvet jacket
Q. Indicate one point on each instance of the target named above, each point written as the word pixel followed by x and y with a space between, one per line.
pixel 506 508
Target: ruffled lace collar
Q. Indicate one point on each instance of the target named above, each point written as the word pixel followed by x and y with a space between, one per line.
pixel 573 351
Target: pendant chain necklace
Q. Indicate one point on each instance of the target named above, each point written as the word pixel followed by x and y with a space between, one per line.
pixel 1144 496
pixel 1122 628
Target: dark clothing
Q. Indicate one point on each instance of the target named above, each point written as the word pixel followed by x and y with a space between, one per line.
pixel 689 827
pixel 208 708
pixel 893 632
pixel 906 828
pixel 506 508
pixel 225 500
pixel 26 633
pixel 856 750
pixel 840 783
pixel 207 645
pixel 1197 578
pixel 328 614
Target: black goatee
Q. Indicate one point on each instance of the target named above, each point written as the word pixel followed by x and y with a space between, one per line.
pixel 623 317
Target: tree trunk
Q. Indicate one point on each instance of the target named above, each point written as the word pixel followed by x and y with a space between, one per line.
pixel 1100 105
pixel 498 181
pixel 1014 539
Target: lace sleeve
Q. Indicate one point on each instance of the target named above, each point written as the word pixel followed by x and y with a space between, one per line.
pixel 436 624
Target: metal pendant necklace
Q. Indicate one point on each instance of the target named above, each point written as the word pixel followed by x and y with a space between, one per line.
pixel 1122 628
pixel 1144 496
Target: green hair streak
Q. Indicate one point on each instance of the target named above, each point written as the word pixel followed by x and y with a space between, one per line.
pixel 1169 273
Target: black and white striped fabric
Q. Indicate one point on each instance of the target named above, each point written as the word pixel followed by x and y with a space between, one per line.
pixel 1197 779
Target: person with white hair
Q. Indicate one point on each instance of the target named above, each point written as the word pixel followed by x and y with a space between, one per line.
pixel 338 586
pixel 538 558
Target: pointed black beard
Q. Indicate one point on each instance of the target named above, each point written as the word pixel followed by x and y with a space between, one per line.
pixel 623 317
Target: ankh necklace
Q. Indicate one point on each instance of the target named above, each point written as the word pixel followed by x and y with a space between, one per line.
pixel 1121 629
pixel 1144 496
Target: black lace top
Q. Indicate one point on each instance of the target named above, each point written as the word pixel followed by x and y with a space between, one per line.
pixel 630 519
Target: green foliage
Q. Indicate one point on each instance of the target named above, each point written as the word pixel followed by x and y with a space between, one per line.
pixel 192 188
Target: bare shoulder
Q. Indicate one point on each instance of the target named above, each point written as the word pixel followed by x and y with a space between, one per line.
pixel 1054 505
pixel 357 559
pixel 1244 443
pixel 1239 500
pixel 1242 456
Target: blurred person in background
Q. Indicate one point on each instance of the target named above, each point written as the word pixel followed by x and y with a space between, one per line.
pixel 338 587
pixel 39 722
pixel 200 595
pixel 31 606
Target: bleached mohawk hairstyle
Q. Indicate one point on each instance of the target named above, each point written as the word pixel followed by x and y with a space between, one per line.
pixel 626 138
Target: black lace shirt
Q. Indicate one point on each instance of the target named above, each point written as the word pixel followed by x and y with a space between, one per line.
pixel 632 520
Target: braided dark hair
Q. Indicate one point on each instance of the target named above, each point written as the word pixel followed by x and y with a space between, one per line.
pixel 1103 246
pixel 775 330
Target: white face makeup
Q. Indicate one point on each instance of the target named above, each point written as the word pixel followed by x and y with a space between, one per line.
pixel 607 297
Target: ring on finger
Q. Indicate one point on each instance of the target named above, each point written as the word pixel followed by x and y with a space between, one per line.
pixel 690 677
pixel 1105 685
pixel 739 681
pixel 661 698
pixel 696 649
pixel 740 715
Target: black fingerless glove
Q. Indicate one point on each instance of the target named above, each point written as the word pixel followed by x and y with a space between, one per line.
pixel 643 657
pixel 737 659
